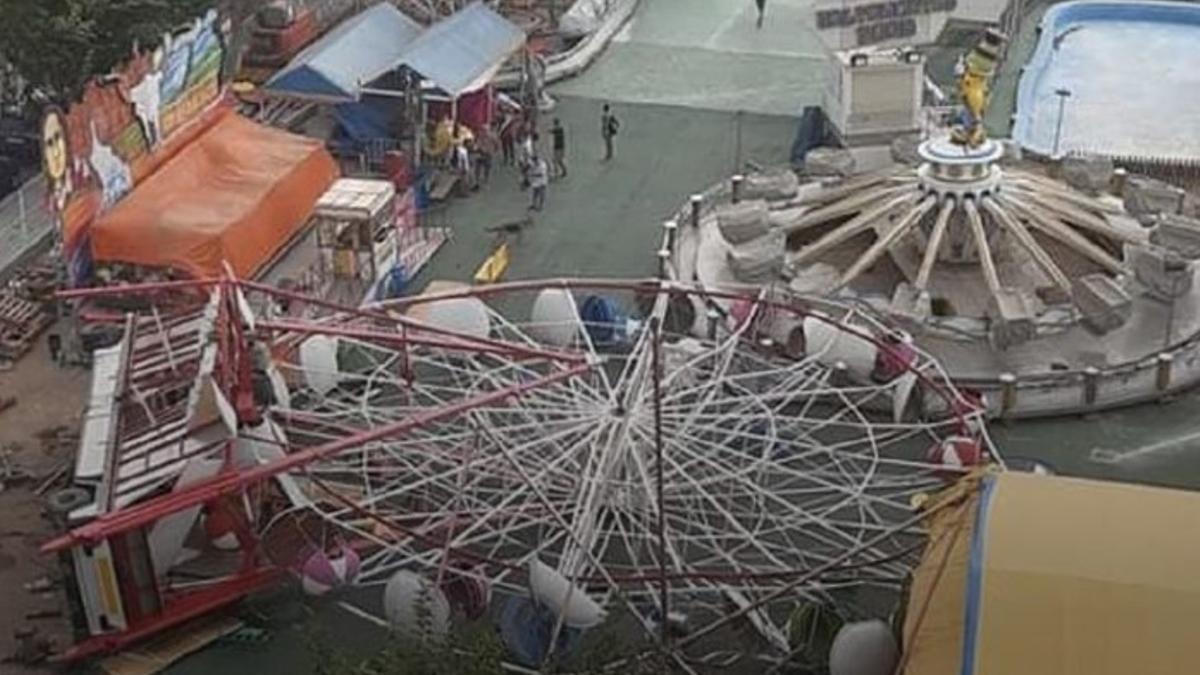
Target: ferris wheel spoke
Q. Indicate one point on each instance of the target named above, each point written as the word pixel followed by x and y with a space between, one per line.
pixel 759 492
pixel 770 467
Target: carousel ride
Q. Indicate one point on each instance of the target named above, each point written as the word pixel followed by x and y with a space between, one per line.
pixel 593 466
pixel 1025 288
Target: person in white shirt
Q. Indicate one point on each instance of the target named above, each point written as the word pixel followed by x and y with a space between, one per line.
pixel 539 176
pixel 462 163
pixel 526 152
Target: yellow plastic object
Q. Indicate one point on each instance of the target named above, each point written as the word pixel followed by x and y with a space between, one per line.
pixel 344 264
pixel 978 69
pixel 494 266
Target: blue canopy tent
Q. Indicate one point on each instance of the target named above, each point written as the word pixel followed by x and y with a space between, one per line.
pixel 463 52
pixel 351 66
pixel 358 51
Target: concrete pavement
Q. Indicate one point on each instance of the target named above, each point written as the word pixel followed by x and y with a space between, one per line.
pixel 605 218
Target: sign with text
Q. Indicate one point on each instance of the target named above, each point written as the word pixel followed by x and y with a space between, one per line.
pixel 849 25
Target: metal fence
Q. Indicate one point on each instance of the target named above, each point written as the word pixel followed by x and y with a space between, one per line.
pixel 25 223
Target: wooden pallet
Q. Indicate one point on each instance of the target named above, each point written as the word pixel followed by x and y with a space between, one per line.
pixel 20 323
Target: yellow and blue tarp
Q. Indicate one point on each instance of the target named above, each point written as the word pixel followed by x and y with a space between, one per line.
pixel 1047 575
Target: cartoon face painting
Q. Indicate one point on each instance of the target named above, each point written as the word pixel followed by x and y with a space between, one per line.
pixel 56 160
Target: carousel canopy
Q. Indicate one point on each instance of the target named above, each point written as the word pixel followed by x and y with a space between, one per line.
pixel 236 194
pixel 1042 574
pixel 356 52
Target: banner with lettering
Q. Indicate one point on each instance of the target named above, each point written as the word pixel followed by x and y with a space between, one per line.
pixel 848 24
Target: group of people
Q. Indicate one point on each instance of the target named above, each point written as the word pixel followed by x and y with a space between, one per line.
pixel 471 157
pixel 521 145
pixel 515 138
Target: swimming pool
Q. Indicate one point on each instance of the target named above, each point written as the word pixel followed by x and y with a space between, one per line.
pixel 1125 76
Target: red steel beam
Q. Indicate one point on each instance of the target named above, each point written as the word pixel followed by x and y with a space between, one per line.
pixel 231 482
pixel 411 324
pixel 958 405
pixel 135 289
pixel 456 342
pixel 180 609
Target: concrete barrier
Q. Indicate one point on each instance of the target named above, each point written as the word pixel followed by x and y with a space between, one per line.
pixel 574 60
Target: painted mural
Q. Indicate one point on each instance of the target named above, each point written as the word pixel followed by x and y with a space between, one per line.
pixel 129 122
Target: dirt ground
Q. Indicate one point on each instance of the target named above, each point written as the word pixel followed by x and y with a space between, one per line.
pixel 47 396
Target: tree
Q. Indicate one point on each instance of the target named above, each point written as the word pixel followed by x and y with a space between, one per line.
pixel 57 45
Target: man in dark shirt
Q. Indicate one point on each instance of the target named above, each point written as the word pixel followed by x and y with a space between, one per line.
pixel 608 129
pixel 559 134
pixel 762 8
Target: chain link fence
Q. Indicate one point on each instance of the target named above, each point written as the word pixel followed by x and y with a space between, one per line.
pixel 25 223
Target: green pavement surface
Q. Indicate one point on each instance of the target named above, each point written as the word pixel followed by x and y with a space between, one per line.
pixel 708 54
pixel 605 218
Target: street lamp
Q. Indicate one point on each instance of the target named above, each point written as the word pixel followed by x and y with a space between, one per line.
pixel 1063 94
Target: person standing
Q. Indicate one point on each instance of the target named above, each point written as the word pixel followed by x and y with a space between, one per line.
pixel 508 137
pixel 461 162
pixel 525 152
pixel 559 136
pixel 608 129
pixel 485 150
pixel 762 8
pixel 54 343
pixel 539 176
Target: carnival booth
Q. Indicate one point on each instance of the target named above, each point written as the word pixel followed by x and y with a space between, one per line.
pixel 347 74
pixel 385 77
pixel 152 174
pixel 236 194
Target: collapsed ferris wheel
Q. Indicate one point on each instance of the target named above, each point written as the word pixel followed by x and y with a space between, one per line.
pixel 674 461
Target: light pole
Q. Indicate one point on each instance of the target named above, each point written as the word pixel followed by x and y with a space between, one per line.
pixel 1063 94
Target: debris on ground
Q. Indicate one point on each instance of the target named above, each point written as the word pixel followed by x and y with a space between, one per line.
pixel 160 652
pixel 32 648
pixel 41 584
pixel 54 477
pixel 10 472
pixel 247 635
pixel 21 321
pixel 37 282
pixel 58 438
pixel 43 614
pixel 511 227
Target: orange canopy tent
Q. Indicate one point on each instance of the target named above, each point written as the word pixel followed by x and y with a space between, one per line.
pixel 237 193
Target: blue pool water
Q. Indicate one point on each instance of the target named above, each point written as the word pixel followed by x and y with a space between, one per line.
pixel 1133 73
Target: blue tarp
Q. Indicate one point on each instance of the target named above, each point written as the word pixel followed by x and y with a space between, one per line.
pixel 463 52
pixel 367 120
pixel 357 51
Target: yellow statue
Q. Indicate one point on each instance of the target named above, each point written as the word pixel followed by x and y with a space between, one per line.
pixel 973 81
